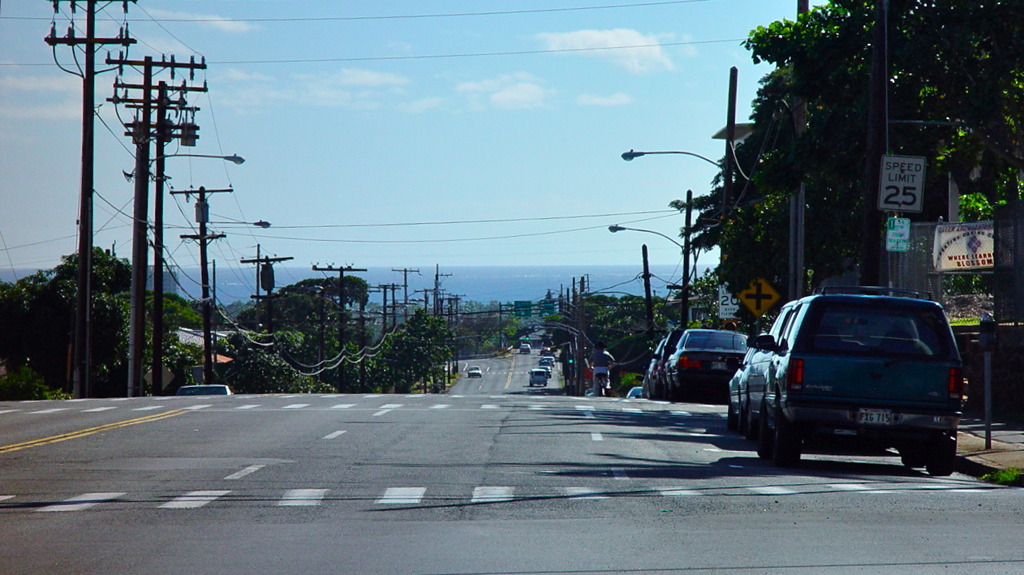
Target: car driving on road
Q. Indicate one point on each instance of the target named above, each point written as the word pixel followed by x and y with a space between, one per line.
pixel 702 363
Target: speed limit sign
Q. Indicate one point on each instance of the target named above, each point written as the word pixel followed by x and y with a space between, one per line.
pixel 901 187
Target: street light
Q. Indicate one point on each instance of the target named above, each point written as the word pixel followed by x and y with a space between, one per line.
pixel 233 158
pixel 684 289
pixel 628 156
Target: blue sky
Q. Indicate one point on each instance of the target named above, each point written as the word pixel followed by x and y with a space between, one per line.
pixel 391 133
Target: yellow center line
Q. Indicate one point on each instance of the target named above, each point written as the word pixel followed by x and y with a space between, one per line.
pixel 508 380
pixel 88 431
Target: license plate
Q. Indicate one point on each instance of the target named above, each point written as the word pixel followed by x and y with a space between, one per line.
pixel 718 365
pixel 875 416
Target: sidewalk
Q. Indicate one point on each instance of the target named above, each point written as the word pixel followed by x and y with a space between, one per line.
pixel 1007 447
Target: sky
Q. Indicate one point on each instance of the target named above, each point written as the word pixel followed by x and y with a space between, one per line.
pixel 391 133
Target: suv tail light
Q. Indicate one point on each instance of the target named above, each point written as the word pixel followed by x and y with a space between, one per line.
pixel 956 383
pixel 687 363
pixel 795 375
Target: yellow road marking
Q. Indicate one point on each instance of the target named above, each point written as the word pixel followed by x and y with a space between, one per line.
pixel 87 431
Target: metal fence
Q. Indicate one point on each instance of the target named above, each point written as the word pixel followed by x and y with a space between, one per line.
pixel 914 269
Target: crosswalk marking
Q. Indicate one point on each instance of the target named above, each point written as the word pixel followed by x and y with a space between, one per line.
pixel 772 490
pixel 149 408
pixel 247 471
pixel 585 493
pixel 197 407
pixel 81 502
pixel 52 410
pixel 296 406
pixel 491 494
pixel 302 497
pixel 596 436
pixel 488 406
pixel 98 409
pixel 677 492
pixel 334 435
pixel 249 406
pixel 194 499
pixel 440 406
pixel 343 406
pixel 10 410
pixel 402 496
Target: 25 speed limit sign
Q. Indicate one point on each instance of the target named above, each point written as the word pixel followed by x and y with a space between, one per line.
pixel 901 187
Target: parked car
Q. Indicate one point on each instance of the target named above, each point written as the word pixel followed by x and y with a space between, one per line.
pixel 655 381
pixel 474 371
pixel 702 363
pixel 871 369
pixel 635 392
pixel 538 376
pixel 736 417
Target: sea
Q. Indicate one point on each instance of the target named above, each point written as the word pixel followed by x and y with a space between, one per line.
pixel 482 284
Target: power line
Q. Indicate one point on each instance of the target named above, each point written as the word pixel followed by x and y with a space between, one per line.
pixel 489 221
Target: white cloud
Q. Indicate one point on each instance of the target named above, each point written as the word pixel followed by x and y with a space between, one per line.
pixel 423 105
pixel 364 79
pixel 638 53
pixel 49 97
pixel 510 91
pixel 618 99
pixel 218 23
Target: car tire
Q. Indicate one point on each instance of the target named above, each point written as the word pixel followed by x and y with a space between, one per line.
pixel 753 424
pixel 786 452
pixel 732 419
pixel 914 455
pixel 942 455
pixel 765 437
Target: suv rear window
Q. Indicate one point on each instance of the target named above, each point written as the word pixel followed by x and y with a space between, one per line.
pixel 715 340
pixel 881 330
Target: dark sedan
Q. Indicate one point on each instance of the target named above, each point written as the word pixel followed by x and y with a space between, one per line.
pixel 703 362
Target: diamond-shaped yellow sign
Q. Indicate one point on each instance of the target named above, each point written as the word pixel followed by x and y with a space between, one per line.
pixel 759 297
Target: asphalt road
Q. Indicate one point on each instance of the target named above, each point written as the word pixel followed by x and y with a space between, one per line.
pixel 491 478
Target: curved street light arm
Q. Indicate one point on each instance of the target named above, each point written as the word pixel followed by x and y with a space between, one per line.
pixel 628 156
pixel 618 228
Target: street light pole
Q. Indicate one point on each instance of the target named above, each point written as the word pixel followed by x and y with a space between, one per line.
pixel 684 288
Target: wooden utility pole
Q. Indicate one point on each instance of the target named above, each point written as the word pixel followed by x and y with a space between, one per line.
pixel 871 220
pixel 341 315
pixel 405 289
pixel 202 218
pixel 80 385
pixel 265 280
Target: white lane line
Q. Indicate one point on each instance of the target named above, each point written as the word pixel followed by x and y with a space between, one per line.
pixel 54 410
pixel 596 436
pixel 150 408
pixel 402 496
pixel 850 486
pixel 492 494
pixel 10 410
pixel 247 471
pixel 488 406
pixel 250 406
pixel 296 406
pixel 6 497
pixel 631 410
pixel 334 435
pixel 584 493
pixel 196 407
pixel 677 492
pixel 440 406
pixel 194 499
pixel 382 412
pixel 772 490
pixel 343 406
pixel 302 497
pixel 80 502
pixel 372 396
pixel 98 409
pixel 391 406
pixel 681 413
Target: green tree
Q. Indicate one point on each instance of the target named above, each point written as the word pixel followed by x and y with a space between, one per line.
pixel 957 66
pixel 37 313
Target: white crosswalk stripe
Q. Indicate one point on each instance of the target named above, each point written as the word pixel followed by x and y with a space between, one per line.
pixel 194 499
pixel 302 497
pixel 402 496
pixel 492 494
pixel 82 502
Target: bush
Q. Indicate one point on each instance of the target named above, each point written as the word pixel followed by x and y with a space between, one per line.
pixel 26 384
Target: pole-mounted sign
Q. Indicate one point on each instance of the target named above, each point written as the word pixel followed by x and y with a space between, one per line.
pixel 901 186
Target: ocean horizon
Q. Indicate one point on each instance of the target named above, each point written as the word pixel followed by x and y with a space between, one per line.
pixel 481 284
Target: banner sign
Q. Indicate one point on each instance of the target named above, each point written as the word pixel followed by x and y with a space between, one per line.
pixel 964 246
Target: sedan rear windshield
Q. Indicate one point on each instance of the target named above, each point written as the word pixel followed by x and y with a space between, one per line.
pixel 881 330
pixel 715 340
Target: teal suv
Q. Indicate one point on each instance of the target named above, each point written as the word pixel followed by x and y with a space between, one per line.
pixel 869 368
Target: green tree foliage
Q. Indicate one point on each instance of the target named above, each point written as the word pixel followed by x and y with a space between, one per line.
pixel 957 65
pixel 37 313
pixel 416 353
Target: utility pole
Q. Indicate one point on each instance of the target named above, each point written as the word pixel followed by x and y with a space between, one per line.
pixel 82 345
pixel 341 314
pixel 265 280
pixel 202 218
pixel 798 203
pixel 437 289
pixel 870 246
pixel 405 288
pixel 141 132
pixel 648 302
pixel 730 136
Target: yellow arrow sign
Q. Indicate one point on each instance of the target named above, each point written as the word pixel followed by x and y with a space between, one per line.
pixel 759 297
